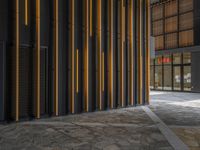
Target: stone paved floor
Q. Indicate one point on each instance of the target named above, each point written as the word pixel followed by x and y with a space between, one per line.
pixel 180 112
pixel 126 129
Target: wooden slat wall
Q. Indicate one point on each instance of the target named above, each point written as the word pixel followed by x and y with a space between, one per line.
pixel 186 38
pixel 56 57
pixel 159 42
pixel 17 37
pixel 171 40
pixel 186 21
pixel 171 24
pixel 171 8
pixel 148 3
pixel 158 27
pixel 185 5
pixel 38 57
pixel 157 12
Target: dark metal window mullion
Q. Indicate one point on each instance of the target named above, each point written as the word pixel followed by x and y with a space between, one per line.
pixel 154 72
pixel 164 34
pixel 162 73
pixel 178 17
pixel 182 73
pixel 172 72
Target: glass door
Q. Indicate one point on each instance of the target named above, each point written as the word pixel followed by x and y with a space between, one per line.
pixel 177 78
pixel 158 78
pixel 187 78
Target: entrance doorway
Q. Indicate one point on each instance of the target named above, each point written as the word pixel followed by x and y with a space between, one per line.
pixel 171 72
pixel 177 78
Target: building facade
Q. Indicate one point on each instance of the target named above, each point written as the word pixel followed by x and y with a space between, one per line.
pixel 63 57
pixel 176 28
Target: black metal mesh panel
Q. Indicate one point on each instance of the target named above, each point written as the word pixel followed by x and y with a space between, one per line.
pixel 2 78
pixel 43 104
pixel 25 82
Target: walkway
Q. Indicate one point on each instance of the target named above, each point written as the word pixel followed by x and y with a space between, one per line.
pixel 125 129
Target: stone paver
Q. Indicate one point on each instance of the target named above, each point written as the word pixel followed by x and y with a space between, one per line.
pixel 124 129
pixel 181 112
pixel 118 129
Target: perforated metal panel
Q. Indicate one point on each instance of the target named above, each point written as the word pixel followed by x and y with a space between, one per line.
pixel 25 82
pixel 43 83
pixel 2 83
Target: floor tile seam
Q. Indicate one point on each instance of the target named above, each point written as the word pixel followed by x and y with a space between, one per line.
pixel 170 136
pixel 184 126
pixel 86 124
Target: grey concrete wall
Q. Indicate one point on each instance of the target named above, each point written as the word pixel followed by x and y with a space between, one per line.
pixel 195 72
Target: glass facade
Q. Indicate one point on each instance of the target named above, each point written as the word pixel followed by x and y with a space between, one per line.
pixel 158 77
pixel 171 72
pixel 187 78
pixel 167 77
pixel 177 78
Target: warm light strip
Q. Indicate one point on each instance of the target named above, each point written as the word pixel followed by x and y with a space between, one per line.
pixel 148 49
pixel 111 54
pixel 38 56
pixel 90 17
pixel 102 71
pixel 17 62
pixel 131 52
pixel 56 57
pixel 26 12
pixel 139 51
pixel 77 88
pixel 86 56
pixel 99 28
pixel 72 38
pixel 122 50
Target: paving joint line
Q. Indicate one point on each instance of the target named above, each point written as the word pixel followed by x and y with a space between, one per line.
pixel 171 137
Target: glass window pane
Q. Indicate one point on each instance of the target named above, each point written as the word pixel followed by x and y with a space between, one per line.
pixel 167 60
pixel 177 78
pixel 187 78
pixel 152 77
pixel 158 60
pixel 186 58
pixel 177 58
pixel 167 77
pixel 158 78
pixel 152 61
